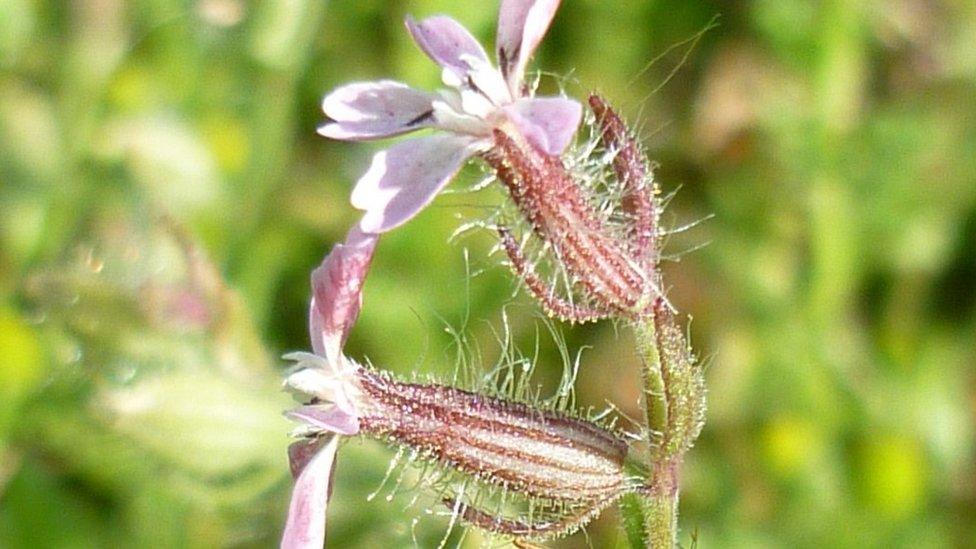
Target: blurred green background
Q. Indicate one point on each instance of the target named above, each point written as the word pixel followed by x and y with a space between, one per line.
pixel 163 197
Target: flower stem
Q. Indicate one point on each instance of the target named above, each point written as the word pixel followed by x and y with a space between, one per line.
pixel 654 399
pixel 660 507
pixel 674 406
pixel 661 515
pixel 651 519
pixel 662 522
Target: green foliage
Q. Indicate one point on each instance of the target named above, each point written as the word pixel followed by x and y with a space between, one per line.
pixel 832 141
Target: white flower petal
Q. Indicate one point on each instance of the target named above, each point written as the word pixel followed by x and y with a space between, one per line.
pixel 403 179
pixel 326 417
pixel 313 382
pixel 521 26
pixel 549 123
pixel 305 527
pixel 445 41
pixel 475 104
pixel 455 120
pixel 337 293
pixel 302 451
pixel 486 79
pixel 371 110
pixel 315 377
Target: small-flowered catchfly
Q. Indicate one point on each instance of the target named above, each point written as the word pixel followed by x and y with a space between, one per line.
pixel 480 98
pixel 589 249
pixel 327 379
pixel 574 466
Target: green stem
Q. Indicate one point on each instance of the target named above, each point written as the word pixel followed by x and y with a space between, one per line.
pixel 654 399
pixel 660 506
pixel 633 513
pixel 650 519
pixel 661 516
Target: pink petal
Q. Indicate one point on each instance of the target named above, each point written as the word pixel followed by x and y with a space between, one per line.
pixel 337 289
pixel 326 417
pixel 406 177
pixel 316 330
pixel 549 123
pixel 445 41
pixel 305 527
pixel 521 26
pixel 370 110
pixel 301 452
pixel 487 81
pixel 345 404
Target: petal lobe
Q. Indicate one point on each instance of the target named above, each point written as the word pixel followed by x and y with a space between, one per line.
pixel 549 123
pixel 305 527
pixel 372 110
pixel 447 42
pixel 403 179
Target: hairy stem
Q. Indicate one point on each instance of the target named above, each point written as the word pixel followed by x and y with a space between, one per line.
pixel 654 399
pixel 660 506
pixel 632 513
pixel 674 406
pixel 661 513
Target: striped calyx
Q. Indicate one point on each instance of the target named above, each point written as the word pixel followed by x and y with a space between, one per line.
pixel 527 452
pixel 507 444
pixel 615 274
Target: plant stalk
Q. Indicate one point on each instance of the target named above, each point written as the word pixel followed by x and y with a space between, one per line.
pixel 674 407
pixel 661 514
pixel 660 505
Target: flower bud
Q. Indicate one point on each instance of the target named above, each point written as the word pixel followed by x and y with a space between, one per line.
pixel 560 214
pixel 526 450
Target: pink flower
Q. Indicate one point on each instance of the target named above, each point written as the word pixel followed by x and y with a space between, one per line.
pixel 403 179
pixel 504 444
pixel 329 380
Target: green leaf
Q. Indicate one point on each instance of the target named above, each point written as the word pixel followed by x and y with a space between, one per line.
pixel 632 515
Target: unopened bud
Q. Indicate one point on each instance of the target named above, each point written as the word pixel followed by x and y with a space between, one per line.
pixel 561 214
pixel 532 452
